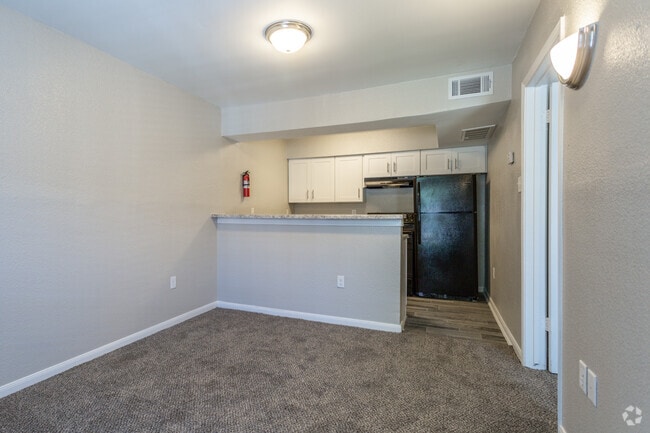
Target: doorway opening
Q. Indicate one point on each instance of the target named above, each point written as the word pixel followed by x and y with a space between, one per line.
pixel 542 212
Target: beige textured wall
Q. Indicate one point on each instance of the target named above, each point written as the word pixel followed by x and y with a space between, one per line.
pixel 108 177
pixel 606 209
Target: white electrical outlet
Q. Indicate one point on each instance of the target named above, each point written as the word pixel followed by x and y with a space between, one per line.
pixel 340 281
pixel 582 376
pixel 592 386
pixel 172 282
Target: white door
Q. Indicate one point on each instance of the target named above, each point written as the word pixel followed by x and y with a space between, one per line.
pixel 406 163
pixel 298 180
pixel 377 165
pixel 470 160
pixel 349 178
pixel 542 214
pixel 321 177
pixel 435 162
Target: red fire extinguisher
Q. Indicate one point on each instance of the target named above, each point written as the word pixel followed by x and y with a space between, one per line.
pixel 246 184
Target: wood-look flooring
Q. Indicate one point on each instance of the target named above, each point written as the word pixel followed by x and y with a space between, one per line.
pixel 469 320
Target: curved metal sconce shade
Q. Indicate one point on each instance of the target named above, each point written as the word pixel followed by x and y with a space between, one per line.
pixel 571 57
pixel 287 36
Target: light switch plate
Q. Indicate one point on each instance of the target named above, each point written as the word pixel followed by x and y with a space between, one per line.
pixel 582 376
pixel 592 386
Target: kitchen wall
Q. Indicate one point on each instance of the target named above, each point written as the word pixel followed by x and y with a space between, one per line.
pixel 358 143
pixel 108 178
pixel 606 207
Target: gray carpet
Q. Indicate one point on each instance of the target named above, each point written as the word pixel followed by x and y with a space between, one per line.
pixel 230 371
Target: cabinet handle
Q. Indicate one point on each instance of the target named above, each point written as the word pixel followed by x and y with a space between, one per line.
pixel 448 164
pixel 358 192
pixel 312 194
pixel 395 167
pixel 388 167
pixel 456 163
pixel 307 197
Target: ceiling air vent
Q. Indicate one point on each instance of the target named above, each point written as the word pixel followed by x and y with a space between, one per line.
pixel 470 85
pixel 480 133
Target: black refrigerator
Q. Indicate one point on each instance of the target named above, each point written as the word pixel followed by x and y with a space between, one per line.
pixel 447 259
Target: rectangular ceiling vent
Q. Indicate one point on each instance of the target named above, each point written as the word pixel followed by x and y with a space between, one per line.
pixel 480 133
pixel 470 85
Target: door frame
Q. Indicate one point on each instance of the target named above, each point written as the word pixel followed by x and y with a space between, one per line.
pixel 541 212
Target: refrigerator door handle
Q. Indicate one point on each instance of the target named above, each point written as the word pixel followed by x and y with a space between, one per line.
pixel 418 232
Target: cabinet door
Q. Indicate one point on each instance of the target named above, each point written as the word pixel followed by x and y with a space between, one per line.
pixel 406 163
pixel 470 160
pixel 321 176
pixel 349 178
pixel 299 181
pixel 377 165
pixel 435 162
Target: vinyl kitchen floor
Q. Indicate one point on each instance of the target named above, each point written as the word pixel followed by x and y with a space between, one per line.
pixel 468 320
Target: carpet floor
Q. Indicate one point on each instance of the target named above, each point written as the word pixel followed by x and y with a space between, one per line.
pixel 231 371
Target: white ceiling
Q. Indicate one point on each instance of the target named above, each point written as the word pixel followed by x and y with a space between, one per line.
pixel 216 49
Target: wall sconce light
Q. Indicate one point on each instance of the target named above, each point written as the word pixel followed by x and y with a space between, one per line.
pixel 287 36
pixel 571 57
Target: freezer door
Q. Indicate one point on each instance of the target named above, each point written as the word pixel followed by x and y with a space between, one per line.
pixel 446 193
pixel 447 264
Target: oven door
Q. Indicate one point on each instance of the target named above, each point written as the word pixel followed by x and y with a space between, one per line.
pixel 409 231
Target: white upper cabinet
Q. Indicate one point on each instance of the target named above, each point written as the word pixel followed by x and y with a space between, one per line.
pixel 392 164
pixel 349 178
pixel 454 161
pixel 471 160
pixel 311 180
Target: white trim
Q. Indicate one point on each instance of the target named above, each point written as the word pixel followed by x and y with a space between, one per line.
pixel 507 334
pixel 334 320
pixel 555 211
pixel 48 372
pixel 534 208
pixel 560 429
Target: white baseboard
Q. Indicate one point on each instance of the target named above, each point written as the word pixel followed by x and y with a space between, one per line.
pixel 505 330
pixel 39 376
pixel 334 320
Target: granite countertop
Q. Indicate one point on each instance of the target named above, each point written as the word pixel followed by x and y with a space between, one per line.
pixel 312 216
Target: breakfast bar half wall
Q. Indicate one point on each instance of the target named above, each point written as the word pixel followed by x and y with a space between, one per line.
pixel 294 265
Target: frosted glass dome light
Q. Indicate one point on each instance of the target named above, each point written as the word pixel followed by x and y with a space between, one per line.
pixel 572 56
pixel 288 36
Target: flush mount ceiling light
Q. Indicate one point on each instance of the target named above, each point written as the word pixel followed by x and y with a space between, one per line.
pixel 288 36
pixel 571 57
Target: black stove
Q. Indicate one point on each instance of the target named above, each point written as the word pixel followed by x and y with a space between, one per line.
pixel 408 229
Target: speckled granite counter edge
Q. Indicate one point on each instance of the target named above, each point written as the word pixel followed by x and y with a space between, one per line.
pixel 312 216
pixel 318 219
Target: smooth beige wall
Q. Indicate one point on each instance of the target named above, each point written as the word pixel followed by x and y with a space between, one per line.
pixel 108 177
pixel 606 209
pixel 267 163
pixel 357 143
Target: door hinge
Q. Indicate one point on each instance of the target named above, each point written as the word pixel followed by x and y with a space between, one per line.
pixel 547 324
pixel 548 116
